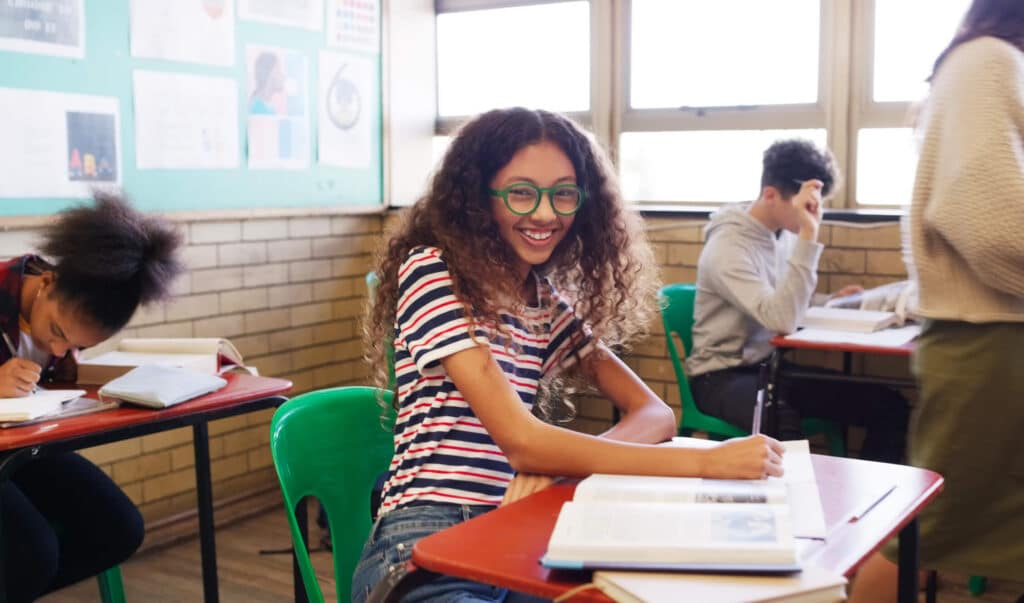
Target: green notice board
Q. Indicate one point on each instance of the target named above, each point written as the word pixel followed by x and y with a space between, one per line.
pixel 107 70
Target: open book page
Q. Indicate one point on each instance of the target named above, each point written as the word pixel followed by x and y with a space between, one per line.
pixel 845 319
pixel 885 338
pixel 73 408
pixel 898 297
pixel 812 585
pixel 668 535
pixel 804 498
pixel 42 402
pixel 209 355
pixel 641 488
pixel 186 345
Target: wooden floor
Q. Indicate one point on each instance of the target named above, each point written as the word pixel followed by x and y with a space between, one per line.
pixel 173 575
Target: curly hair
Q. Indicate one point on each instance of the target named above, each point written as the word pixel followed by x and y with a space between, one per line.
pixel 109 258
pixel 604 265
pixel 786 163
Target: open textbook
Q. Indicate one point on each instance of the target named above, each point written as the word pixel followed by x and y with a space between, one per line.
pixel 38 404
pixel 652 523
pixel 211 355
pixel 812 585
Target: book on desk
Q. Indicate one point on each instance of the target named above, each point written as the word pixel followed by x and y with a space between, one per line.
pixel 210 355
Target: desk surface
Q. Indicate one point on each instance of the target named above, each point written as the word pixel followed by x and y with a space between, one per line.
pixel 780 341
pixel 503 547
pixel 239 389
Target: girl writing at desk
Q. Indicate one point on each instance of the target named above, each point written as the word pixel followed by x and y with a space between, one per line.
pixel 107 260
pixel 519 263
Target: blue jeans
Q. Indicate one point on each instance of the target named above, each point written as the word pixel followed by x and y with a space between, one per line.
pixel 389 547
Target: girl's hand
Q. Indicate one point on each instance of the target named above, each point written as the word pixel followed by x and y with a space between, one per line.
pixel 17 377
pixel 525 484
pixel 752 457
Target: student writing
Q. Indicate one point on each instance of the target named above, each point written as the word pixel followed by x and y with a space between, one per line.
pixel 519 264
pixel 105 259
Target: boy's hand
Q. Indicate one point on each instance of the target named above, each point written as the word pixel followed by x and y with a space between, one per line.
pixel 807 202
pixel 18 377
pixel 847 290
pixel 752 457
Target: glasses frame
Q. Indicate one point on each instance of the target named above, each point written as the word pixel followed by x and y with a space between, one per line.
pixel 503 194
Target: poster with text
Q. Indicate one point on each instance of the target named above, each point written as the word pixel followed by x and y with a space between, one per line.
pixel 197 31
pixel 307 14
pixel 58 145
pixel 354 25
pixel 278 108
pixel 54 27
pixel 346 100
pixel 185 121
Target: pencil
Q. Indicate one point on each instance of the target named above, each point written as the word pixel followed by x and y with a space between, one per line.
pixel 14 353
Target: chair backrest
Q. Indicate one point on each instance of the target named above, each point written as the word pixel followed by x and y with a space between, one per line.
pixel 677 316
pixel 372 281
pixel 332 444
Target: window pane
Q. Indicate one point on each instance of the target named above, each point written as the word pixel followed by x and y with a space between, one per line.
pixel 533 56
pixel 700 54
pixel 886 162
pixel 901 66
pixel 698 166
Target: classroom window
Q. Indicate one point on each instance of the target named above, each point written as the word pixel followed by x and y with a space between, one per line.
pixel 534 56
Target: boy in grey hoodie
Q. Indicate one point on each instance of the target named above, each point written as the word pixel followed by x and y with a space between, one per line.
pixel 755 277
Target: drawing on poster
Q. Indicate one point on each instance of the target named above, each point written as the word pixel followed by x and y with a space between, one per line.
pixel 92 147
pixel 278 114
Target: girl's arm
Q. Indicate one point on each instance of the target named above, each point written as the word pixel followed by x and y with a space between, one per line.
pixel 646 419
pixel 533 446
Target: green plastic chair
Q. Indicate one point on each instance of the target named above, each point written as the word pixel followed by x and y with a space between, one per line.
pixel 677 316
pixel 111 585
pixel 372 280
pixel 332 444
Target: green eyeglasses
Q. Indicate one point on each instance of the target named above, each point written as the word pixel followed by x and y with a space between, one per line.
pixel 523 198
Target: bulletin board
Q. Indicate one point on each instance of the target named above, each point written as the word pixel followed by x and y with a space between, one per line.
pixel 105 68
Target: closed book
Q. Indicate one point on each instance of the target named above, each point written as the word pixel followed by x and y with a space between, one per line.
pixel 211 355
pixel 812 585
pixel 159 386
pixel 846 319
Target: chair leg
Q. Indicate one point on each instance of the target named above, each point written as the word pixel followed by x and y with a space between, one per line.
pixel 111 586
pixel 976 585
pixel 931 586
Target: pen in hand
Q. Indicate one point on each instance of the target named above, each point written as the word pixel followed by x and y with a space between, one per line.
pixel 14 354
pixel 762 377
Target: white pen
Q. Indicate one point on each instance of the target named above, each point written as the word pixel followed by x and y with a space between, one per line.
pixel 762 378
pixel 14 354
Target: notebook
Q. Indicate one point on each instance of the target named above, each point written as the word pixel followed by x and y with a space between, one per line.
pixel 42 402
pixel 158 386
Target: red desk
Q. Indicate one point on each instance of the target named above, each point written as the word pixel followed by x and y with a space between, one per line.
pixel 503 547
pixel 242 394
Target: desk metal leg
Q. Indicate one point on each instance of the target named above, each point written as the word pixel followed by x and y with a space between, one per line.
pixel 301 517
pixel 909 561
pixel 204 496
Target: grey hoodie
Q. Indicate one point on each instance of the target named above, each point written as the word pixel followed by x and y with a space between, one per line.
pixel 751 284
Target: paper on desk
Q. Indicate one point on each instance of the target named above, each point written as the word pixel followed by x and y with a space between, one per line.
pixel 798 474
pixel 894 337
pixel 42 402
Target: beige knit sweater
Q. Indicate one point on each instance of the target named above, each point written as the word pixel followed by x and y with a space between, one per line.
pixel 966 223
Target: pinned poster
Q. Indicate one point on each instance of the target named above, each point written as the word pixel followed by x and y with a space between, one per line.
pixel 58 145
pixel 197 32
pixel 185 121
pixel 354 25
pixel 307 14
pixel 54 27
pixel 277 108
pixel 346 100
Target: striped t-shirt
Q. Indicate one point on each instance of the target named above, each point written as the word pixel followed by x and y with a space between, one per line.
pixel 443 454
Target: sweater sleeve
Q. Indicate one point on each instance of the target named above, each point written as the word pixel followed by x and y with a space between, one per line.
pixel 980 212
pixel 738 279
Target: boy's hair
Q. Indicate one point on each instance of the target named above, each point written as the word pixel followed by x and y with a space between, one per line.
pixel 603 265
pixel 787 163
pixel 108 258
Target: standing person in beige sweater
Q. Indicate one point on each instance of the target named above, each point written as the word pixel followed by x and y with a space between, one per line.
pixel 966 250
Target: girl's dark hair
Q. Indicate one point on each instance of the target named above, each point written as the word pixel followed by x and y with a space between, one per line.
pixel 603 265
pixel 108 258
pixel 1003 19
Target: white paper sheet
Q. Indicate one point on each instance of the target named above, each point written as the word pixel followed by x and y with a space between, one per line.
pixel 894 337
pixel 346 101
pixel 197 32
pixel 58 145
pixel 54 27
pixel 798 474
pixel 185 121
pixel 277 103
pixel 308 14
pixel 354 25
